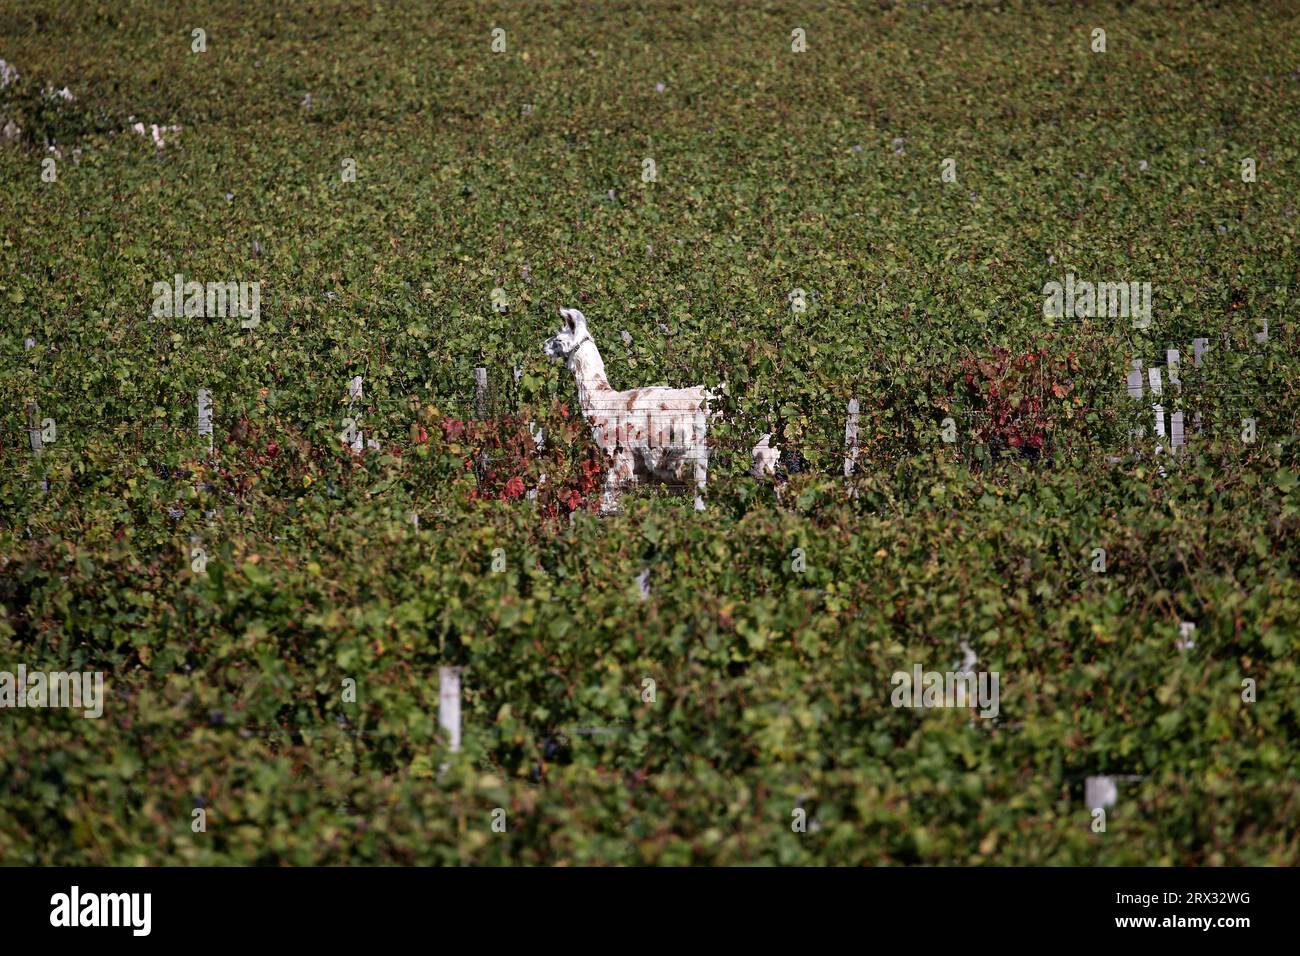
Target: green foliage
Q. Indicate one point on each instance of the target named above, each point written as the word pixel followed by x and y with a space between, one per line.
pixel 776 171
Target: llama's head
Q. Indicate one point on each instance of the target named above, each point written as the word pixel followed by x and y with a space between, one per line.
pixel 572 333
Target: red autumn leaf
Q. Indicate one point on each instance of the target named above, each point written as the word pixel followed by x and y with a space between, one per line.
pixel 514 488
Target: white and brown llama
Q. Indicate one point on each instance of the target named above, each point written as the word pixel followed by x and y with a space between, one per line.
pixel 654 433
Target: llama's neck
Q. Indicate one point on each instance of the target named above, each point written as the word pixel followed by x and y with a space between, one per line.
pixel 589 373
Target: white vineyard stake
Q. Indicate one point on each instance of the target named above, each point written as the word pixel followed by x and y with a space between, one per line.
pixel 1172 359
pixel 204 402
pixel 1135 391
pixel 1153 380
pixel 1135 379
pixel 34 438
pixel 355 389
pixel 481 407
pixel 1199 348
pixel 851 441
pixel 480 392
pixel 1160 435
pixel 1099 793
pixel 449 705
pixel 34 428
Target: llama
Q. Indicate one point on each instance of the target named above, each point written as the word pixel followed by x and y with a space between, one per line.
pixel 652 433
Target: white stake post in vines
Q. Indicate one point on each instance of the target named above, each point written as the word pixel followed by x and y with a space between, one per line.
pixel 354 395
pixel 851 443
pixel 1157 390
pixel 449 705
pixel 34 439
pixel 204 402
pixel 536 431
pixel 481 408
pixel 1153 385
pixel 480 392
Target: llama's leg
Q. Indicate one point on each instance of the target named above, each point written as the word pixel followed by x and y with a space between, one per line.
pixel 609 501
pixel 619 475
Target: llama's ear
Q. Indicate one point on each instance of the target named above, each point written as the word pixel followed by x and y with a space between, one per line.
pixel 567 315
pixel 573 318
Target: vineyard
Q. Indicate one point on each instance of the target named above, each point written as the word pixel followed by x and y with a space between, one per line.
pixel 337 548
